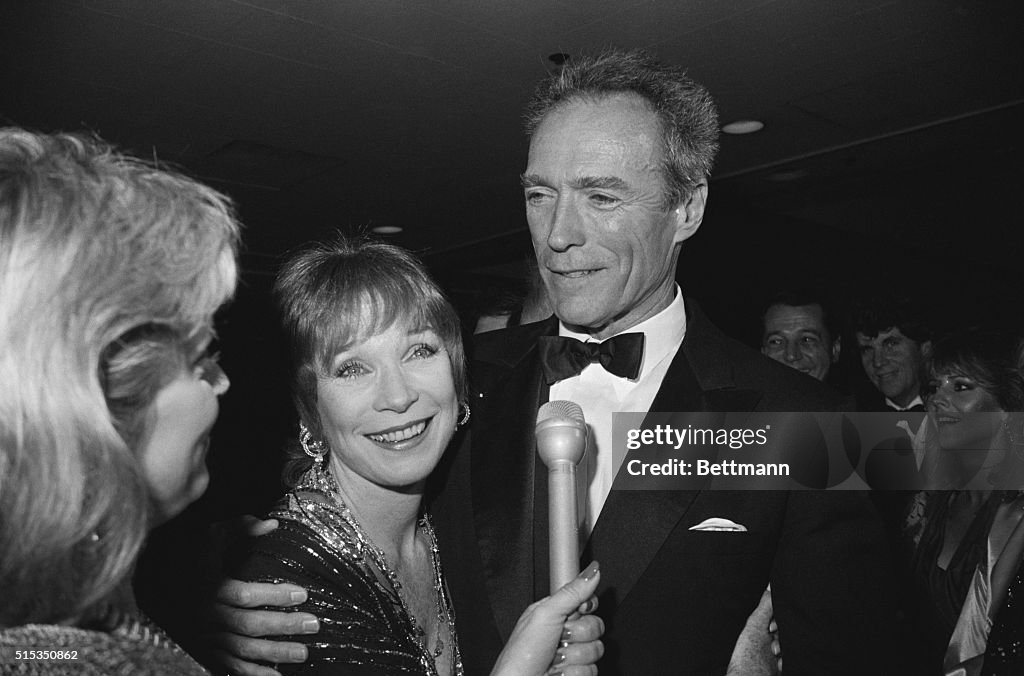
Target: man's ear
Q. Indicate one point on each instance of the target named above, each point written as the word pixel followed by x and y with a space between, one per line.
pixel 837 348
pixel 690 213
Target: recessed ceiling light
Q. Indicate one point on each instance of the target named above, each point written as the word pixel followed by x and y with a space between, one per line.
pixel 386 229
pixel 743 127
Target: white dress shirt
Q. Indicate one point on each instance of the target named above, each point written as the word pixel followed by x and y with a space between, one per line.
pixel 600 394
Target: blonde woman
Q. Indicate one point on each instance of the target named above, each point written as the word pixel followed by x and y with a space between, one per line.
pixel 110 273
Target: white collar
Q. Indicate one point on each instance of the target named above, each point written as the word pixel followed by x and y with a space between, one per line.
pixel 916 401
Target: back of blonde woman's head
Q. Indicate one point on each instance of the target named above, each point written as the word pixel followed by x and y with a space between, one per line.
pixel 109 269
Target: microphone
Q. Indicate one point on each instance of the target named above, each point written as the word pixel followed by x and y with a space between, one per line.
pixel 561 443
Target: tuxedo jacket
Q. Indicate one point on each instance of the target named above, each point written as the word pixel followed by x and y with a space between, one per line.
pixel 673 600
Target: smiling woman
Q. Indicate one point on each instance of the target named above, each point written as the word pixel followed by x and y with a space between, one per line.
pixel 378 376
pixel 967 544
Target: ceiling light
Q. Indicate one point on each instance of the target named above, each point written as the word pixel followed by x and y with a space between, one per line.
pixel 743 127
pixel 386 229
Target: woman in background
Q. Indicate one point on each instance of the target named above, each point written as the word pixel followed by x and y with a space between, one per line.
pixel 110 273
pixel 967 540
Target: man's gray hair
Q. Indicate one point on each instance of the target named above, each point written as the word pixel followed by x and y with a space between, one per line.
pixel 689 119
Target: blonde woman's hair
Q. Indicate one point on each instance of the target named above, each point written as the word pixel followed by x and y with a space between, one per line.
pixel 110 271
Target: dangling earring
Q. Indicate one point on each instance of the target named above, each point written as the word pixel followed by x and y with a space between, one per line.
pixel 464 413
pixel 317 477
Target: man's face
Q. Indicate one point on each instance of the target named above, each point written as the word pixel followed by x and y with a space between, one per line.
pixel 894 363
pixel 796 336
pixel 605 243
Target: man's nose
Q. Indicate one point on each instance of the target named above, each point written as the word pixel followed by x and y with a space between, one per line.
pixel 878 358
pixel 566 225
pixel 396 393
pixel 793 351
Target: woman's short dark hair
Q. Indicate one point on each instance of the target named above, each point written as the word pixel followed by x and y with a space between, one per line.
pixel 334 294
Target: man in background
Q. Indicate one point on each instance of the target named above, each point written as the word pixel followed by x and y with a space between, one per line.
pixel 798 330
pixel 894 341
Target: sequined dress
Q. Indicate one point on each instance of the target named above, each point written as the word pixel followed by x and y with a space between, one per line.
pixel 363 626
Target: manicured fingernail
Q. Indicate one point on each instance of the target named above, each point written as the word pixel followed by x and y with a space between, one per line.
pixel 591 570
pixel 563 644
pixel 588 606
pixel 297 654
pixel 298 597
pixel 566 634
pixel 310 626
pixel 559 657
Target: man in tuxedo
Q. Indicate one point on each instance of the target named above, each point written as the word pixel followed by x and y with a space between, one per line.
pixel 894 340
pixel 620 150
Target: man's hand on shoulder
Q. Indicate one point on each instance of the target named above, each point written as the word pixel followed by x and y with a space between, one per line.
pixel 240 620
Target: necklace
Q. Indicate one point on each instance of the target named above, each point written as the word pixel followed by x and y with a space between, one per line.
pixel 443 603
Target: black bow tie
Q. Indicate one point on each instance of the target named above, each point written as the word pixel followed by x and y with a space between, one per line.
pixel 916 408
pixel 562 358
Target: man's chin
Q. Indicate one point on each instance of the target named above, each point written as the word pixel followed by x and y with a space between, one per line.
pixel 584 321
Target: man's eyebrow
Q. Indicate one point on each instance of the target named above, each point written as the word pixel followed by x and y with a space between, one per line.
pixel 582 183
pixel 530 180
pixel 600 182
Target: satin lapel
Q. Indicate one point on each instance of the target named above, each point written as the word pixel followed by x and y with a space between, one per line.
pixel 700 378
pixel 503 469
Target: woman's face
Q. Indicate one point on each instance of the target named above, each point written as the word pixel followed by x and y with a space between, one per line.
pixel 388 408
pixel 173 455
pixel 957 410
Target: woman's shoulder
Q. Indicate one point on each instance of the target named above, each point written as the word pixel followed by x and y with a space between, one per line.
pixel 55 650
pixel 363 628
pixel 312 540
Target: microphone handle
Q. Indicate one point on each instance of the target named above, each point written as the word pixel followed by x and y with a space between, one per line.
pixel 563 523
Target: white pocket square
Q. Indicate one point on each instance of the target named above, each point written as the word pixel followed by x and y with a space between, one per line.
pixel 717 523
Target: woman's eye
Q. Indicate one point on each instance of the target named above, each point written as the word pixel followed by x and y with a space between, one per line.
pixel 424 350
pixel 349 370
pixel 208 369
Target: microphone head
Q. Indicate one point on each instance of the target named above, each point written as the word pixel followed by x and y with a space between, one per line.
pixel 560 408
pixel 561 433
